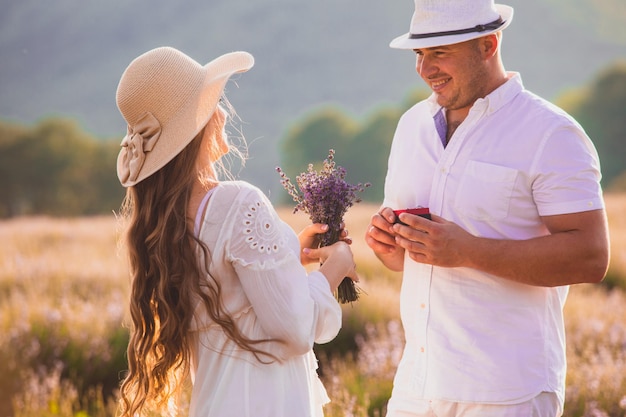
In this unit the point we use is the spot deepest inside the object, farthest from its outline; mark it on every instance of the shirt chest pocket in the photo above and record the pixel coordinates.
(485, 191)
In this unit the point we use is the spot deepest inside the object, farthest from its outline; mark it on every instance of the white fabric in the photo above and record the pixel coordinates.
(545, 404)
(200, 213)
(470, 336)
(255, 257)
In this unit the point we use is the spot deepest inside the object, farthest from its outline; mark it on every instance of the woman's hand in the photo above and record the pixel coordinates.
(337, 263)
(309, 239)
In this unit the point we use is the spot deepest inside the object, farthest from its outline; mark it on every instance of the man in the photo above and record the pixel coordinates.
(512, 184)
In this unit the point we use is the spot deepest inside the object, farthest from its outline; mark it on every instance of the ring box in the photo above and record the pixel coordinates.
(419, 211)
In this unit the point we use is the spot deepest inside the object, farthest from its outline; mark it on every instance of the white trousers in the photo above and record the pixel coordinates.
(545, 404)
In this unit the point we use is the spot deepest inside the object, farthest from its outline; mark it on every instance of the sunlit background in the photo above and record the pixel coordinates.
(324, 77)
(65, 57)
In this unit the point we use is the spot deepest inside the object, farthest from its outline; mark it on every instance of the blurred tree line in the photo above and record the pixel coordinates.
(601, 109)
(362, 148)
(55, 168)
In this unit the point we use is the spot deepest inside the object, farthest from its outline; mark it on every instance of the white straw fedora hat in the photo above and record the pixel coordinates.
(166, 99)
(444, 22)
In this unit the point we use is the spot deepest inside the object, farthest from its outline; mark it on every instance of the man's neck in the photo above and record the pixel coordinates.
(454, 118)
(452, 126)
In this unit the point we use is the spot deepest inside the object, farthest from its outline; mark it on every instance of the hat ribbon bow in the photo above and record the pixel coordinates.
(138, 140)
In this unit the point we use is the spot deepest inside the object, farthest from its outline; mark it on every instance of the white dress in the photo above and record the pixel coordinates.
(255, 256)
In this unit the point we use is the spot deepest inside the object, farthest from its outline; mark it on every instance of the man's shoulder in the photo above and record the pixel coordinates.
(541, 109)
(421, 109)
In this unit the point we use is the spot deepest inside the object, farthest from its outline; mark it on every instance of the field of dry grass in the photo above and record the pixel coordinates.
(63, 290)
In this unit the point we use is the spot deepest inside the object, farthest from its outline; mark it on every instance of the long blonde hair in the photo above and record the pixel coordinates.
(166, 277)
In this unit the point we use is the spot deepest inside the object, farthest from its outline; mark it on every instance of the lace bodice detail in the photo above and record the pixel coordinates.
(260, 229)
(259, 239)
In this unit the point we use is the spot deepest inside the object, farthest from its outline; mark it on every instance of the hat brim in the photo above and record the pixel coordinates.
(194, 115)
(405, 42)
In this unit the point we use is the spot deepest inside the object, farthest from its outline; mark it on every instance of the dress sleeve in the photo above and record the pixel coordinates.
(291, 305)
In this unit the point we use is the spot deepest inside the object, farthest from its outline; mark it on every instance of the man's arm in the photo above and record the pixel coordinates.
(575, 251)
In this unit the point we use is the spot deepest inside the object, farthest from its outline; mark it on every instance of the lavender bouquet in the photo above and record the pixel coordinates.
(326, 196)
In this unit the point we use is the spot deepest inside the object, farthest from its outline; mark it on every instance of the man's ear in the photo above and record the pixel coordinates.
(489, 44)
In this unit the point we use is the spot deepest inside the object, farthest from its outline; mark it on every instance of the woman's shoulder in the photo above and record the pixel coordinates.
(238, 187)
(241, 191)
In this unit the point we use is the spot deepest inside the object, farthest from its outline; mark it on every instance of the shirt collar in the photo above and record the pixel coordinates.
(502, 95)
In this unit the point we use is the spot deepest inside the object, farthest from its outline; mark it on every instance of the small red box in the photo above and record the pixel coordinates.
(420, 211)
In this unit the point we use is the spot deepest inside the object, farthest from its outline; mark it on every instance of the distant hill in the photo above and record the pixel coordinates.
(64, 58)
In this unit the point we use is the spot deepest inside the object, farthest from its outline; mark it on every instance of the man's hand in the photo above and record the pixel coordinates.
(435, 242)
(381, 238)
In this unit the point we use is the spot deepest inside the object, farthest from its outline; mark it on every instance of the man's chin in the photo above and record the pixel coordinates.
(441, 100)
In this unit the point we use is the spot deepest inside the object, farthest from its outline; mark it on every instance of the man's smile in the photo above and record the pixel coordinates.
(436, 85)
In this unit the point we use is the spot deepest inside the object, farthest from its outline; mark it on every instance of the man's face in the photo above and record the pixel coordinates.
(456, 73)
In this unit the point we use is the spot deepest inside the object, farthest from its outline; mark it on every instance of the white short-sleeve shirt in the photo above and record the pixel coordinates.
(471, 336)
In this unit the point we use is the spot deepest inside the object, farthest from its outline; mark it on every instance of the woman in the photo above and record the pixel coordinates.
(218, 284)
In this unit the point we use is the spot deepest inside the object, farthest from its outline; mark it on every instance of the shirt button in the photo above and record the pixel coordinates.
(422, 349)
(422, 306)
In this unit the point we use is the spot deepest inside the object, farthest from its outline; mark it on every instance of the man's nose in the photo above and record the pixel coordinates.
(425, 66)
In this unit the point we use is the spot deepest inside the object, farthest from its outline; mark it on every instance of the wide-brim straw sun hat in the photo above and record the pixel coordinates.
(446, 22)
(167, 98)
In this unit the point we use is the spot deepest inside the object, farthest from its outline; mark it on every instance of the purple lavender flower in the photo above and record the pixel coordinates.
(326, 196)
